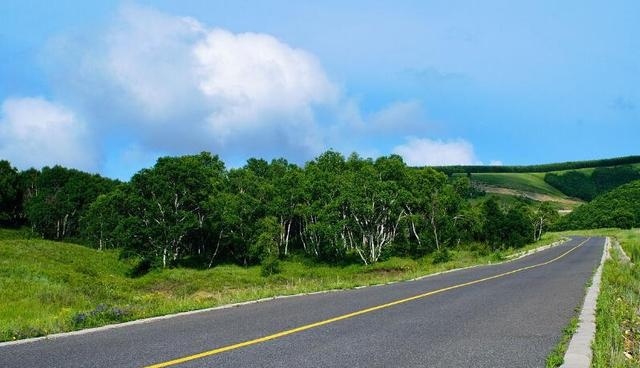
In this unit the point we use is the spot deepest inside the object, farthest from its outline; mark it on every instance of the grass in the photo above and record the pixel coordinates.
(556, 358)
(526, 182)
(617, 341)
(48, 287)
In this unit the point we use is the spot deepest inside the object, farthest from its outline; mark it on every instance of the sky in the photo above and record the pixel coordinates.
(110, 86)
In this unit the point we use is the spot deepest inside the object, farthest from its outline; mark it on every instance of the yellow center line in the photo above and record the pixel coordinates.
(350, 315)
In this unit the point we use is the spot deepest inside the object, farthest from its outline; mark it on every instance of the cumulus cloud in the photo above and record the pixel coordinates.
(177, 85)
(35, 133)
(428, 152)
(251, 77)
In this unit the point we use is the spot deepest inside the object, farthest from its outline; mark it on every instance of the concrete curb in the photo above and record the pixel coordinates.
(623, 255)
(579, 354)
(227, 306)
(536, 250)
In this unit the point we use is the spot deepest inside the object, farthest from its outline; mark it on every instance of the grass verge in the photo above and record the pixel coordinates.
(617, 340)
(50, 287)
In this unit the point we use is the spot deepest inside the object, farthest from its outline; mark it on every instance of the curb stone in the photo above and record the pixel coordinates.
(579, 354)
(623, 255)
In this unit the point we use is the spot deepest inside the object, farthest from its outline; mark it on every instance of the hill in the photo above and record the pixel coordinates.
(566, 184)
(617, 208)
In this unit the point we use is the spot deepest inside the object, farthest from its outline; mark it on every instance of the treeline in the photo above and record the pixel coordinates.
(587, 186)
(561, 166)
(617, 208)
(192, 210)
(51, 201)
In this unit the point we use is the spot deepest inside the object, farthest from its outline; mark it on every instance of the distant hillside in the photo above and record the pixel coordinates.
(587, 184)
(568, 183)
(617, 208)
(569, 165)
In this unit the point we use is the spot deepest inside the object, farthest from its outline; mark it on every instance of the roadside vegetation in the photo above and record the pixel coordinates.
(617, 341)
(48, 287)
(191, 211)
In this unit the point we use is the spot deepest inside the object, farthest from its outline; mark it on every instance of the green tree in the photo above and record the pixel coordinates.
(10, 195)
(165, 216)
(543, 217)
(60, 198)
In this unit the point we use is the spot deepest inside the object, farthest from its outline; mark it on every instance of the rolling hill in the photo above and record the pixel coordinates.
(567, 184)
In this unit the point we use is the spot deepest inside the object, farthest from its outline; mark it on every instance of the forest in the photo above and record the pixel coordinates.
(587, 186)
(193, 211)
(617, 208)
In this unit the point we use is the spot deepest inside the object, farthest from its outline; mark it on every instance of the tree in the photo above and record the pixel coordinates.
(434, 202)
(59, 199)
(10, 195)
(163, 215)
(375, 204)
(324, 231)
(543, 216)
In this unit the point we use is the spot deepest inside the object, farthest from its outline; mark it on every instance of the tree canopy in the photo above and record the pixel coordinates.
(192, 210)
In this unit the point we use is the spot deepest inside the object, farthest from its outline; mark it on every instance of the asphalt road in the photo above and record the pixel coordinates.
(507, 315)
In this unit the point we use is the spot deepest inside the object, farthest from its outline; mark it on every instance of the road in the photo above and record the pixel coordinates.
(505, 315)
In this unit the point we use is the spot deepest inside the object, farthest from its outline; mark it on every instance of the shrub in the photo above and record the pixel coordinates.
(441, 256)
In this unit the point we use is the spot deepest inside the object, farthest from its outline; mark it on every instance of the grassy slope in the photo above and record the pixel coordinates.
(49, 287)
(528, 182)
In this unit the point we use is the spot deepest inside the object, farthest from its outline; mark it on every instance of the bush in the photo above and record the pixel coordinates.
(394, 264)
(441, 256)
(270, 266)
(141, 268)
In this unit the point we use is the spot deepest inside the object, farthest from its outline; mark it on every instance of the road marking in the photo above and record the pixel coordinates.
(350, 315)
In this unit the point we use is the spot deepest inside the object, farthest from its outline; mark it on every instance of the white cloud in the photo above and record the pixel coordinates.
(399, 116)
(495, 163)
(428, 152)
(251, 77)
(173, 84)
(35, 133)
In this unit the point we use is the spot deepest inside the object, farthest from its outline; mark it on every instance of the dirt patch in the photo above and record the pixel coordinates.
(535, 196)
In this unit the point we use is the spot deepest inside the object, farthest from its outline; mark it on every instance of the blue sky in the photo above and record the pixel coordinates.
(108, 86)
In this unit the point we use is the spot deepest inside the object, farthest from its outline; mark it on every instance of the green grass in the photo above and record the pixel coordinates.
(526, 182)
(48, 287)
(556, 358)
(617, 318)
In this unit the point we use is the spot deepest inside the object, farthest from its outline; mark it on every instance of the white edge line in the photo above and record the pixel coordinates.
(579, 353)
(511, 258)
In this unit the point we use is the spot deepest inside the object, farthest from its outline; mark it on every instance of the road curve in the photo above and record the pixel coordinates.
(506, 315)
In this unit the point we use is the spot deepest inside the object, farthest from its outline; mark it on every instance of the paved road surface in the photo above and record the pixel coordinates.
(507, 315)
